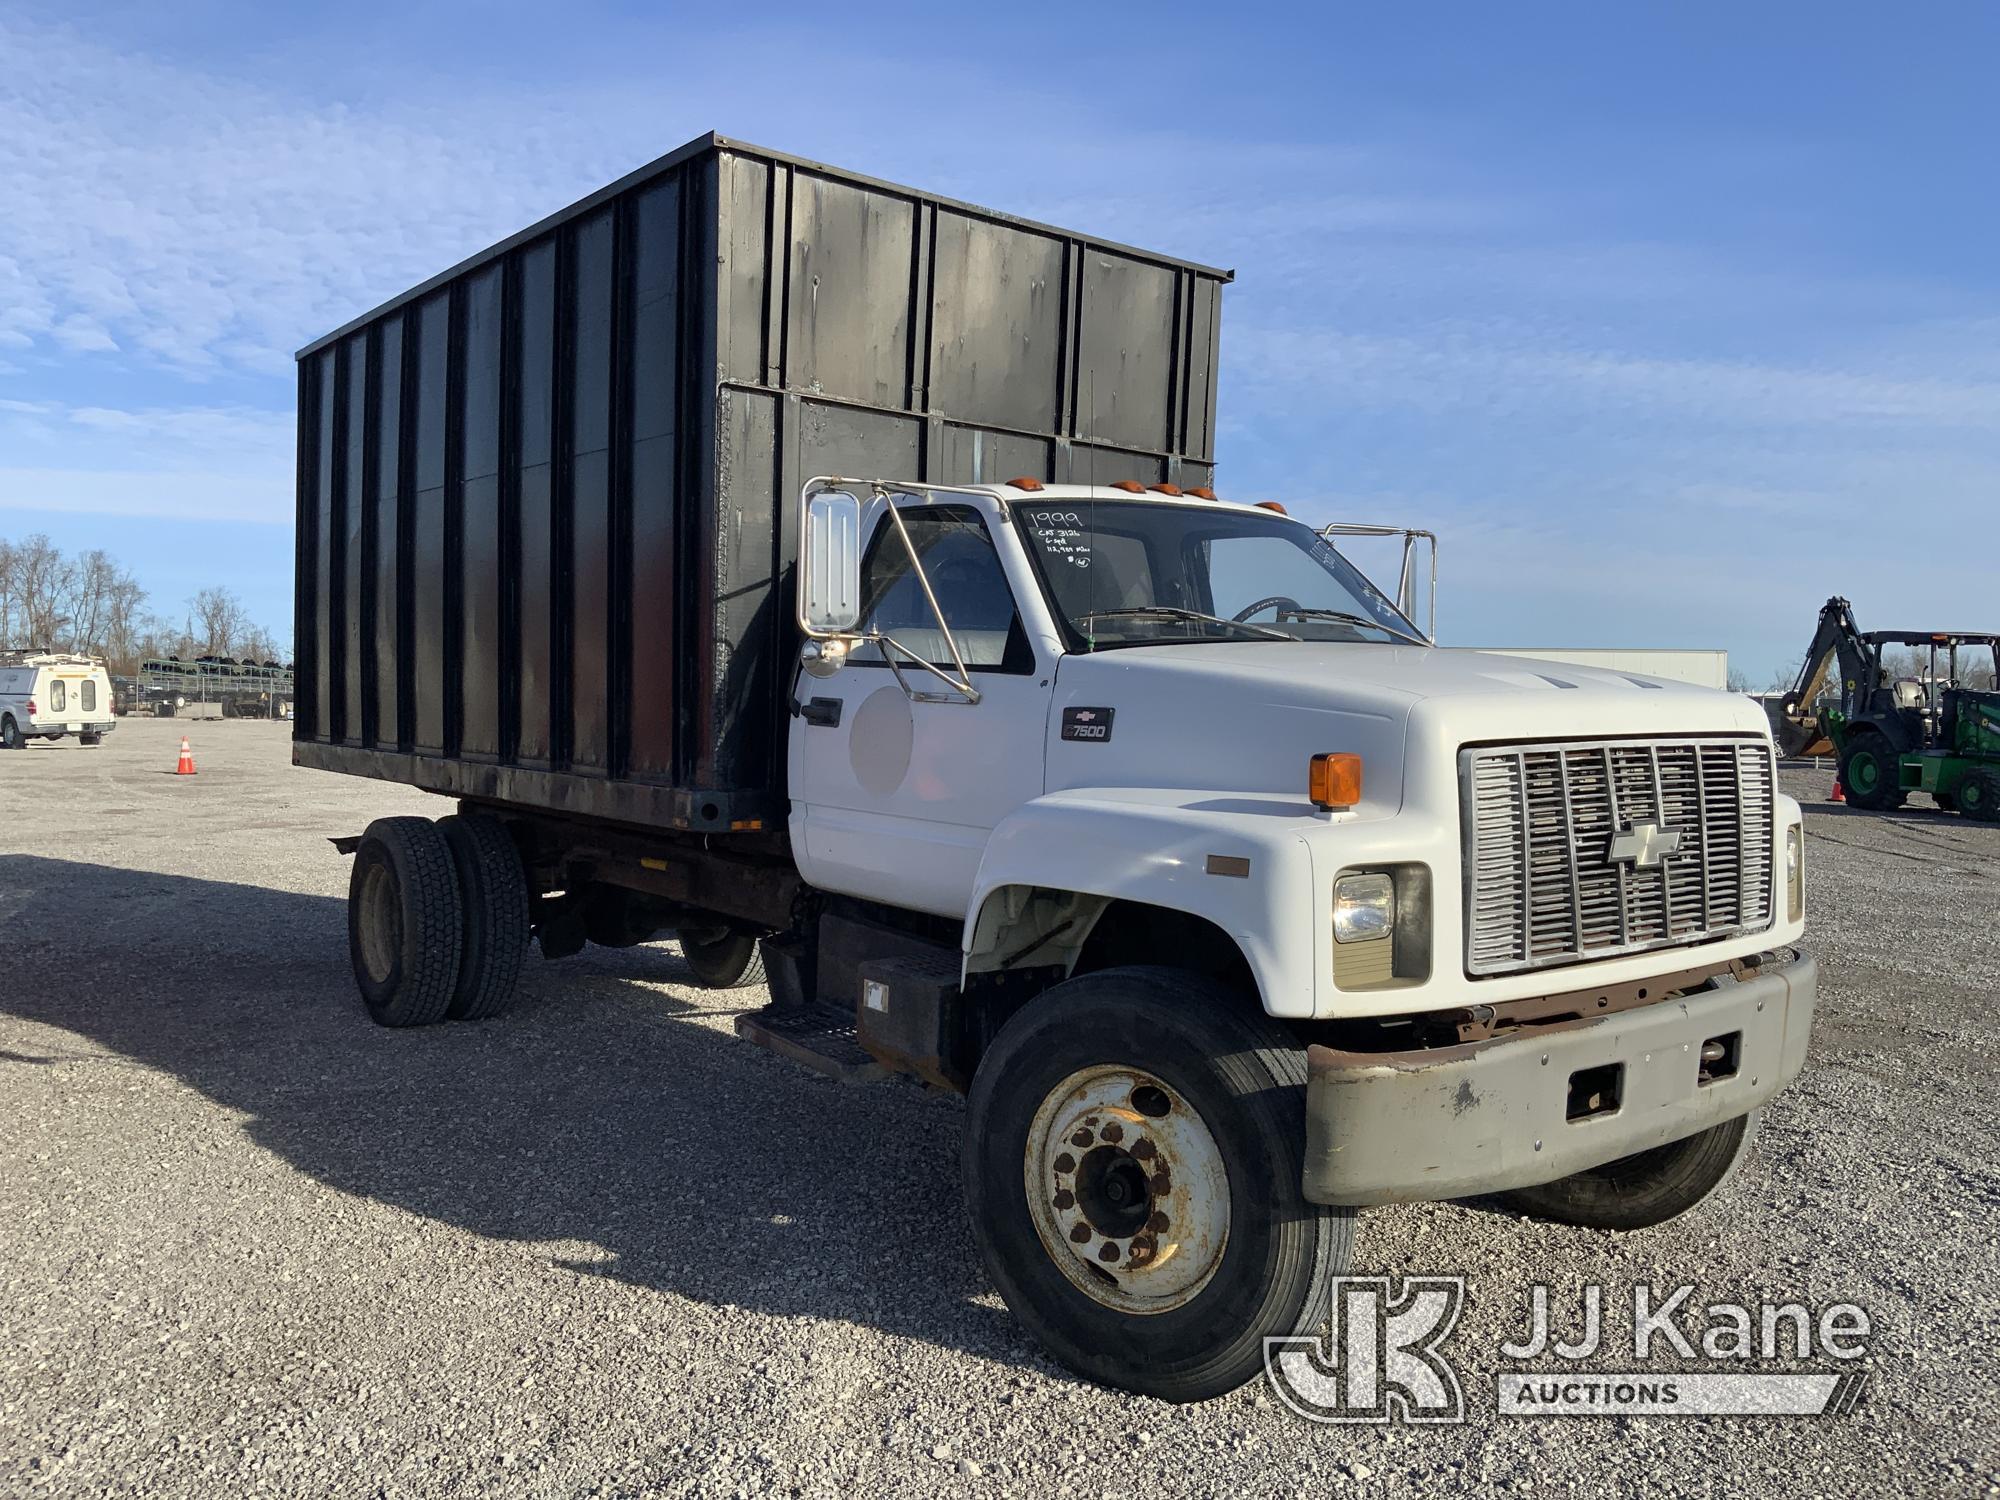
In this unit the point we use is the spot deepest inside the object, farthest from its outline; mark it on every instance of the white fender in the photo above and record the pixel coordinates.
(1244, 862)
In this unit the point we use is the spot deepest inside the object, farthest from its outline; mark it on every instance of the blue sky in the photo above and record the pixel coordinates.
(1672, 319)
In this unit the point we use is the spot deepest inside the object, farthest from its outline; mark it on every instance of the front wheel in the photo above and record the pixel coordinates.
(1869, 774)
(733, 961)
(1978, 796)
(1133, 1153)
(1647, 1188)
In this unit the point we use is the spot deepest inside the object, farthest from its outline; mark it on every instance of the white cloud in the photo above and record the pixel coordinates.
(194, 463)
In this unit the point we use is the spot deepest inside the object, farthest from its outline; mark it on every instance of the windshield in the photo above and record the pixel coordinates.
(1133, 573)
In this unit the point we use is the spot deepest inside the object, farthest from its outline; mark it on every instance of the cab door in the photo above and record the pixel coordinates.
(893, 797)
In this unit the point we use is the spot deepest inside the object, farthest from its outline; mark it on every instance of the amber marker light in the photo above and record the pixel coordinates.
(1335, 781)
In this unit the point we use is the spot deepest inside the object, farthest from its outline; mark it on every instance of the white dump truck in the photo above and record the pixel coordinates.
(1138, 816)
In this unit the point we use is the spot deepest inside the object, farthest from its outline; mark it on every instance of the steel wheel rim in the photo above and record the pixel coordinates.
(1865, 773)
(381, 924)
(1127, 1189)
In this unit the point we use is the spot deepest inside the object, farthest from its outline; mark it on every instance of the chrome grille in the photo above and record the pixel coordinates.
(1541, 887)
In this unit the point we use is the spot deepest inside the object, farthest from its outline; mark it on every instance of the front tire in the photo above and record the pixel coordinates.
(1868, 773)
(1159, 1121)
(1648, 1188)
(1978, 796)
(404, 921)
(733, 961)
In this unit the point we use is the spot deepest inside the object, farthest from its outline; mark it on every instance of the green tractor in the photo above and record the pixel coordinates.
(1929, 733)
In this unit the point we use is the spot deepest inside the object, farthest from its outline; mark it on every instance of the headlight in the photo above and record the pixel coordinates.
(1364, 908)
(1795, 872)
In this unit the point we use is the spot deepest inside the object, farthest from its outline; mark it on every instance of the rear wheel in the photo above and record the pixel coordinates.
(730, 962)
(404, 921)
(1978, 796)
(10, 734)
(1868, 773)
(493, 897)
(90, 739)
(1648, 1188)
(1133, 1150)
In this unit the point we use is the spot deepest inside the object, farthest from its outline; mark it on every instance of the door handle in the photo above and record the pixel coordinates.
(824, 712)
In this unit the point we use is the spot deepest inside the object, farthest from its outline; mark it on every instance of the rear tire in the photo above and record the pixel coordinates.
(404, 922)
(733, 961)
(493, 897)
(1869, 775)
(1149, 1105)
(1648, 1188)
(10, 734)
(90, 739)
(1978, 796)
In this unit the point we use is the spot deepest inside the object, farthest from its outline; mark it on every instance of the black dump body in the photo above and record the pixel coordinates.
(545, 499)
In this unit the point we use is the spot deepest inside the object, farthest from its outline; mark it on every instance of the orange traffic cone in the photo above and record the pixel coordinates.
(186, 767)
(1839, 793)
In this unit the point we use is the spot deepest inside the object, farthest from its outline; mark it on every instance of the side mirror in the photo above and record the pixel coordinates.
(830, 564)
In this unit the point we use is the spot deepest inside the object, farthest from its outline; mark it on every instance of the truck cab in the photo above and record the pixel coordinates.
(1531, 927)
(47, 695)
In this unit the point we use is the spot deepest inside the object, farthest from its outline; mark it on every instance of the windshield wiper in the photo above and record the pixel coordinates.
(1306, 612)
(1174, 612)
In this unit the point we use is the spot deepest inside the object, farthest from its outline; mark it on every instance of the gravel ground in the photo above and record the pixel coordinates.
(252, 1244)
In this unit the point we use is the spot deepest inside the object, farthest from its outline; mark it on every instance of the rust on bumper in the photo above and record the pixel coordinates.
(1502, 1112)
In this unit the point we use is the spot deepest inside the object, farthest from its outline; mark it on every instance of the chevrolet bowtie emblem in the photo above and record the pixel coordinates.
(1644, 844)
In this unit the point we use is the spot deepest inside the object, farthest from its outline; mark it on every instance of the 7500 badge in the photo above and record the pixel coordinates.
(1086, 723)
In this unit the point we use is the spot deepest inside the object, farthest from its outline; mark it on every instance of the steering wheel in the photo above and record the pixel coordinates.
(1281, 601)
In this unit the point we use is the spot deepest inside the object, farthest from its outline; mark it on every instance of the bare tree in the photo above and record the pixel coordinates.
(90, 604)
(38, 578)
(218, 619)
(8, 592)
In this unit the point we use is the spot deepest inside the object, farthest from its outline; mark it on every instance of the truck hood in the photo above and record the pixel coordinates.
(1247, 716)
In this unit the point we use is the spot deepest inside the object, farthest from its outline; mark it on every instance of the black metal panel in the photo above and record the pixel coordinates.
(545, 521)
(656, 389)
(1090, 463)
(305, 573)
(325, 528)
(737, 714)
(386, 436)
(743, 209)
(1204, 335)
(974, 455)
(852, 261)
(855, 441)
(590, 497)
(479, 389)
(535, 365)
(427, 530)
(1125, 357)
(997, 324)
(353, 512)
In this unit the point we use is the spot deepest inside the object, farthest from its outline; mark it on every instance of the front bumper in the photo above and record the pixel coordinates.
(1451, 1122)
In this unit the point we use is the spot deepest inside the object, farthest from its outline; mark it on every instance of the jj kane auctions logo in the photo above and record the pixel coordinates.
(1384, 1358)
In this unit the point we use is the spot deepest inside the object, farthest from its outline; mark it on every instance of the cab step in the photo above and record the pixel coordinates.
(820, 1037)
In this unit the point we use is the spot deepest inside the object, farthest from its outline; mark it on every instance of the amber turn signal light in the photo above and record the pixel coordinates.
(1335, 781)
(1025, 483)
